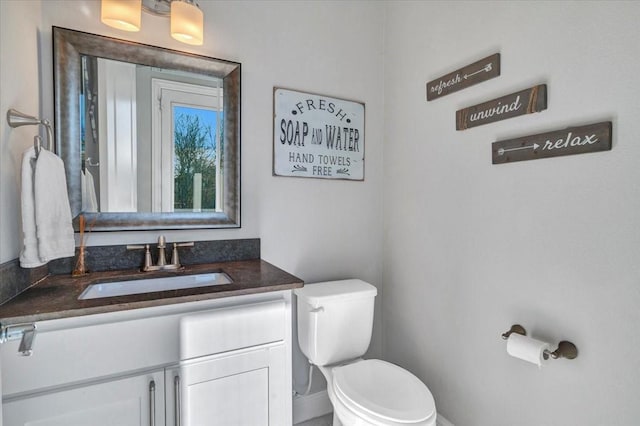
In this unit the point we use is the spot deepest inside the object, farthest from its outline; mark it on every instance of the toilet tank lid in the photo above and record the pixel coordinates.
(315, 294)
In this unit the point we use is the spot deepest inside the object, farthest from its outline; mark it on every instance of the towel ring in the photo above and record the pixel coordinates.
(16, 119)
(37, 144)
(89, 162)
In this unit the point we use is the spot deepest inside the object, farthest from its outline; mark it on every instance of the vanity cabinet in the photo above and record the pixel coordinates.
(215, 362)
(234, 389)
(129, 401)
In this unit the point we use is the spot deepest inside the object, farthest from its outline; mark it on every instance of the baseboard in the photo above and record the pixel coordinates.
(441, 421)
(310, 406)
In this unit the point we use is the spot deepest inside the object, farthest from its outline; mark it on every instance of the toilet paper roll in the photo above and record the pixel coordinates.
(526, 348)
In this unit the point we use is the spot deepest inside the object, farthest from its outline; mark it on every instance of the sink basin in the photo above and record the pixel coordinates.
(148, 285)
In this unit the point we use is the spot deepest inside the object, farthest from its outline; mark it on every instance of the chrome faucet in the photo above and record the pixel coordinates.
(161, 264)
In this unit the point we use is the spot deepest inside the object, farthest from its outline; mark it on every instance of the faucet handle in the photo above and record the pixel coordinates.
(175, 259)
(147, 255)
(190, 244)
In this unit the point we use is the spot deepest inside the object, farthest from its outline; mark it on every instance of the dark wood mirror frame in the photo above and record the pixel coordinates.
(68, 48)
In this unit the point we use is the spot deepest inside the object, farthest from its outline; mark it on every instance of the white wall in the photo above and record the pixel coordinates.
(19, 89)
(471, 248)
(315, 229)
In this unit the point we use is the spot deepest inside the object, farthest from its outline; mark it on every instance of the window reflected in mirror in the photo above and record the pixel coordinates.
(196, 164)
(150, 139)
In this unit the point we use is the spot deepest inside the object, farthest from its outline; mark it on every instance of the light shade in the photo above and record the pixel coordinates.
(122, 14)
(187, 22)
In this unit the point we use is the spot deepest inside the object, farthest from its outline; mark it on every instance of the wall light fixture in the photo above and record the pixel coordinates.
(187, 20)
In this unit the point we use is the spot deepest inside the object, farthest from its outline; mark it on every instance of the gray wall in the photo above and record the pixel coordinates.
(471, 248)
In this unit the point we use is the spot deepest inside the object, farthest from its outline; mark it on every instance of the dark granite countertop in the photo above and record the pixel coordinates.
(56, 296)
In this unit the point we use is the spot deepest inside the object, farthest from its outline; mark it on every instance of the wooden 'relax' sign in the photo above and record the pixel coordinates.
(523, 102)
(573, 140)
(462, 78)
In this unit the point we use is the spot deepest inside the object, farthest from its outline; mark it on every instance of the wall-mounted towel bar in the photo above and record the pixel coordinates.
(16, 119)
(565, 349)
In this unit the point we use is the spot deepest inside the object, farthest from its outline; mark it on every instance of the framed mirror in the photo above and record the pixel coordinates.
(150, 137)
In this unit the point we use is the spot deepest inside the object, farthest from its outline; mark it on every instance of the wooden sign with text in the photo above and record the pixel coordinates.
(475, 73)
(523, 102)
(573, 140)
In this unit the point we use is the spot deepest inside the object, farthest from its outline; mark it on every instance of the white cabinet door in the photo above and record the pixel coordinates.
(243, 388)
(132, 401)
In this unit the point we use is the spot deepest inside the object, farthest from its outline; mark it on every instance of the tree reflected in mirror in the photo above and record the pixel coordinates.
(195, 160)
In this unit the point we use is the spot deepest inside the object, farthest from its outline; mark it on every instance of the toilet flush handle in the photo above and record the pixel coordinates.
(316, 310)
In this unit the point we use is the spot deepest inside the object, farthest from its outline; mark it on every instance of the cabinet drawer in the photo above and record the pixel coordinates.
(232, 328)
(76, 351)
(76, 355)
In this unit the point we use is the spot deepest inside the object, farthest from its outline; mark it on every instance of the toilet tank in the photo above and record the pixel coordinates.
(335, 320)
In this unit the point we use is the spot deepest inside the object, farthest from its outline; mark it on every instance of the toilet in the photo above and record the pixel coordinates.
(335, 321)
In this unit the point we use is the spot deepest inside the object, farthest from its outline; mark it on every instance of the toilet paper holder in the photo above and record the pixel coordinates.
(565, 348)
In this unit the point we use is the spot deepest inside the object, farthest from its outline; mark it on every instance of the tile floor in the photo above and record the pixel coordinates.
(326, 420)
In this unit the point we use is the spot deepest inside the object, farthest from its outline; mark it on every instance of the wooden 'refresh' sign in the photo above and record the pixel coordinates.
(523, 102)
(573, 140)
(464, 77)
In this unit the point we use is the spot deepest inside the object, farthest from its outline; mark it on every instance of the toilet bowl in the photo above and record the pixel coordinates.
(376, 392)
(335, 321)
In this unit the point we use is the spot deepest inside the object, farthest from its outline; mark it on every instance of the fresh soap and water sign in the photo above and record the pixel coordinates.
(317, 136)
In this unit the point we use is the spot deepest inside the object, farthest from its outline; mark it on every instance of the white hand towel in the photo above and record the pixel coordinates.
(53, 213)
(29, 254)
(83, 190)
(89, 198)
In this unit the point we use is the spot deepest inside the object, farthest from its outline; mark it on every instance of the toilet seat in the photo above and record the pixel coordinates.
(383, 393)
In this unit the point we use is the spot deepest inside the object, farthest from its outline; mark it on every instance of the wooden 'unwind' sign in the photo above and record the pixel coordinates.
(573, 140)
(464, 77)
(523, 102)
(317, 136)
